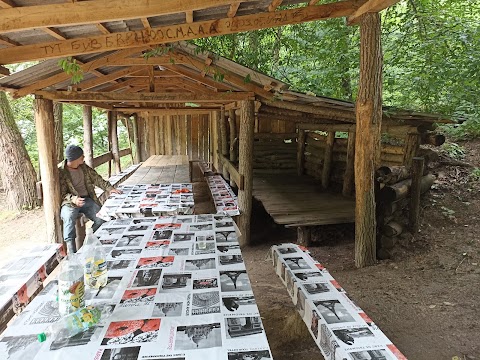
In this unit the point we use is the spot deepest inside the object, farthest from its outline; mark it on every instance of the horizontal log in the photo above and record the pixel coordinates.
(401, 189)
(232, 170)
(102, 159)
(432, 139)
(393, 149)
(277, 165)
(429, 155)
(124, 152)
(393, 228)
(391, 174)
(268, 136)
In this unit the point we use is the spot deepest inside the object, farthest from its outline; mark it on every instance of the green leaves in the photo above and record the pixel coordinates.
(71, 67)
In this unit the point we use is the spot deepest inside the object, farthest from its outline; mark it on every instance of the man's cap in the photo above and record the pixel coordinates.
(73, 152)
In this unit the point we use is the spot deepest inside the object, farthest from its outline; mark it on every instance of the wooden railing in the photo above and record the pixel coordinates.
(104, 158)
(232, 170)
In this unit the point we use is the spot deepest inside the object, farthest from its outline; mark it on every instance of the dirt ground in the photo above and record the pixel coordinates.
(425, 298)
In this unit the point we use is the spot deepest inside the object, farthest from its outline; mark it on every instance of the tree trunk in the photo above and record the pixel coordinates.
(88, 135)
(369, 122)
(58, 118)
(18, 174)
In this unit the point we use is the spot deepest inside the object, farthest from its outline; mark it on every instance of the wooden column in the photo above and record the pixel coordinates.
(161, 135)
(412, 143)
(156, 130)
(58, 116)
(348, 179)
(233, 136)
(168, 134)
(301, 152)
(415, 191)
(327, 159)
(115, 148)
(224, 142)
(136, 140)
(304, 235)
(44, 123)
(151, 134)
(87, 135)
(245, 165)
(367, 139)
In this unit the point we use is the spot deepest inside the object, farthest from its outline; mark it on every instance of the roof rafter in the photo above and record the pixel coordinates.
(168, 34)
(87, 67)
(370, 6)
(233, 9)
(88, 84)
(88, 12)
(274, 4)
(197, 77)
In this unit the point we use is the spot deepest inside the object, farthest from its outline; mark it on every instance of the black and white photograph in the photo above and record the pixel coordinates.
(148, 277)
(179, 251)
(167, 309)
(82, 338)
(204, 247)
(205, 303)
(230, 259)
(228, 248)
(379, 354)
(225, 236)
(238, 303)
(301, 302)
(108, 241)
(333, 311)
(200, 264)
(198, 336)
(305, 276)
(103, 231)
(243, 326)
(162, 235)
(124, 353)
(108, 291)
(125, 253)
(180, 236)
(249, 355)
(138, 228)
(204, 218)
(119, 264)
(200, 227)
(290, 279)
(287, 250)
(296, 263)
(316, 288)
(349, 335)
(223, 224)
(177, 281)
(206, 283)
(129, 240)
(184, 219)
(143, 221)
(234, 281)
(122, 222)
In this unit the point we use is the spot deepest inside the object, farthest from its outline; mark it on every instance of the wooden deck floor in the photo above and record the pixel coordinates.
(161, 169)
(299, 201)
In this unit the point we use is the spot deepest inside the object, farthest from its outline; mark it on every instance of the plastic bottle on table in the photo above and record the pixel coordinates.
(72, 324)
(95, 262)
(71, 287)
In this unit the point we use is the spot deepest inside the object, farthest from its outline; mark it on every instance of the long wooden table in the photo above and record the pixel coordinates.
(161, 169)
(178, 288)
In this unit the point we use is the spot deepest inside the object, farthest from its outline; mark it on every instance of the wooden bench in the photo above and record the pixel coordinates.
(204, 167)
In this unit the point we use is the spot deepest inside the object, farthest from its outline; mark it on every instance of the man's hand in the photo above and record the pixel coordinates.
(79, 202)
(116, 191)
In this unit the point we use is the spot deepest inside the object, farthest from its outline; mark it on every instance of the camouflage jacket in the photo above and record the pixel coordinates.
(92, 179)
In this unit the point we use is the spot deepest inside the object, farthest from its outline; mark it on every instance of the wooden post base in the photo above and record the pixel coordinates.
(304, 235)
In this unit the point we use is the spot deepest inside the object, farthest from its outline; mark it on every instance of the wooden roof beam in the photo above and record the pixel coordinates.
(274, 4)
(197, 77)
(102, 29)
(6, 4)
(6, 41)
(189, 17)
(176, 111)
(233, 9)
(57, 34)
(368, 7)
(88, 84)
(172, 33)
(144, 97)
(87, 67)
(88, 12)
(146, 23)
(120, 85)
(4, 71)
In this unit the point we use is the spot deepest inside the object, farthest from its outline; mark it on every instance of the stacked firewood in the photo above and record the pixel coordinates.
(394, 184)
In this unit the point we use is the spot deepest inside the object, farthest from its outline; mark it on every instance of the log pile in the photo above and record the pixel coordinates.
(275, 154)
(394, 202)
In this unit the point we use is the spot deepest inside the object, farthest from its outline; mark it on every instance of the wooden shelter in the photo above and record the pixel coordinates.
(182, 101)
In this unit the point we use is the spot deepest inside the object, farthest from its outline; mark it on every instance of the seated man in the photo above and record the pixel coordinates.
(77, 187)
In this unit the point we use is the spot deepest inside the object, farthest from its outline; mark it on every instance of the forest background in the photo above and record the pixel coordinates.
(431, 64)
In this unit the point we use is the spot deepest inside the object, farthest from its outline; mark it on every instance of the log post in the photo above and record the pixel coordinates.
(367, 139)
(245, 159)
(217, 144)
(224, 141)
(156, 127)
(348, 179)
(115, 148)
(87, 135)
(44, 124)
(301, 152)
(109, 138)
(412, 143)
(58, 116)
(327, 162)
(304, 235)
(151, 134)
(233, 136)
(136, 139)
(415, 191)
